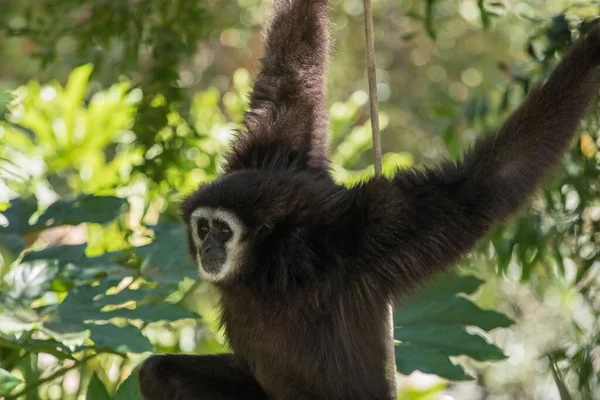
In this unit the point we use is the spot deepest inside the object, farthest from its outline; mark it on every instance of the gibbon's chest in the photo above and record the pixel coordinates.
(307, 342)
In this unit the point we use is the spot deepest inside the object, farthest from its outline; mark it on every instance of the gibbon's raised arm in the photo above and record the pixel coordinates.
(286, 126)
(419, 222)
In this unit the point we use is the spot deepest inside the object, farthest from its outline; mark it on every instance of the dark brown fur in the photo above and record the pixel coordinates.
(305, 316)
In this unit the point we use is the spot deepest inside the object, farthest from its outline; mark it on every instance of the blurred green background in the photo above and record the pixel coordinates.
(111, 110)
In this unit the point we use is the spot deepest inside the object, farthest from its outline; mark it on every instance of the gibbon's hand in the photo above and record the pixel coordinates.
(287, 124)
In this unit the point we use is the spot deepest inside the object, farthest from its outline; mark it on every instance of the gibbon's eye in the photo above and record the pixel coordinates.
(203, 228)
(222, 228)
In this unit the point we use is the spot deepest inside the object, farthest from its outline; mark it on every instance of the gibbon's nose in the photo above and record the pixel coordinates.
(210, 244)
(213, 254)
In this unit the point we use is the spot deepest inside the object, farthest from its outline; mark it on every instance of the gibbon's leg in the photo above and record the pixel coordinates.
(287, 124)
(188, 377)
(418, 222)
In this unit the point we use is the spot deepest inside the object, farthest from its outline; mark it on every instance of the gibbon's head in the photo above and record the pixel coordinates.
(236, 222)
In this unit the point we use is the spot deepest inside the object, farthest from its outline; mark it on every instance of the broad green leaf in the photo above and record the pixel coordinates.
(12, 243)
(18, 214)
(85, 208)
(73, 265)
(430, 327)
(7, 382)
(96, 389)
(30, 280)
(49, 346)
(454, 340)
(410, 358)
(71, 102)
(154, 312)
(126, 339)
(86, 305)
(16, 315)
(129, 389)
(166, 258)
(78, 307)
(138, 295)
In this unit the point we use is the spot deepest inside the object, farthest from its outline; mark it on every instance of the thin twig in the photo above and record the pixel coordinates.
(372, 76)
(558, 380)
(52, 377)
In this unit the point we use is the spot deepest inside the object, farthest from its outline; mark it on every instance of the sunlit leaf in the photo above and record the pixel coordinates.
(589, 148)
(7, 382)
(5, 98)
(30, 280)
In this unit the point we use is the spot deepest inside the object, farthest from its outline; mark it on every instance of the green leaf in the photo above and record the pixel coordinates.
(430, 328)
(96, 389)
(86, 305)
(129, 389)
(85, 208)
(79, 306)
(411, 358)
(485, 17)
(454, 340)
(166, 258)
(5, 98)
(126, 339)
(12, 243)
(31, 280)
(153, 313)
(429, 6)
(18, 214)
(16, 315)
(138, 295)
(7, 382)
(25, 342)
(74, 266)
(450, 138)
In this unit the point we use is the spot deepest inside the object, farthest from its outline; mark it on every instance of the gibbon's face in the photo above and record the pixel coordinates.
(217, 241)
(236, 222)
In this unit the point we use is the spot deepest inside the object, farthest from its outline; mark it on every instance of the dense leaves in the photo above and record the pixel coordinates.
(135, 101)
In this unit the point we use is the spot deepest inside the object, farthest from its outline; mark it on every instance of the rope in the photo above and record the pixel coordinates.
(372, 76)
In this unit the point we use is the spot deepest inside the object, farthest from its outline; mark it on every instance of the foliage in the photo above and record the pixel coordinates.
(93, 267)
(62, 300)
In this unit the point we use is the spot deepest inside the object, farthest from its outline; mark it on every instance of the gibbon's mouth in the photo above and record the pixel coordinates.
(213, 265)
